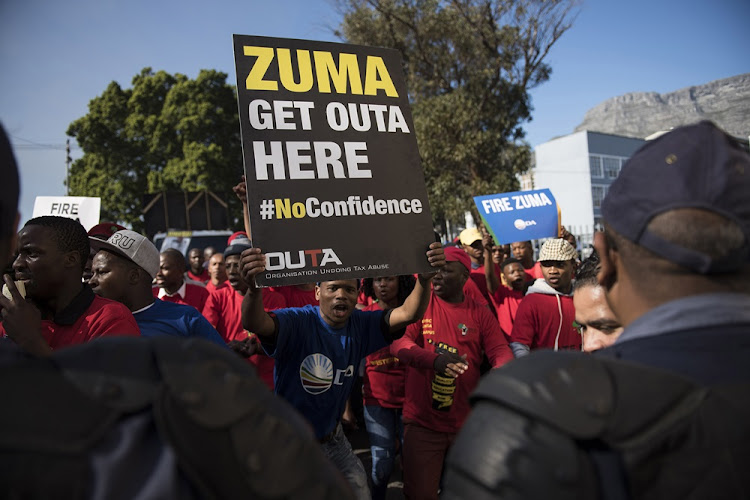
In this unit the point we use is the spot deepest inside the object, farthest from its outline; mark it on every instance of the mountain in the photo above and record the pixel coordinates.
(726, 102)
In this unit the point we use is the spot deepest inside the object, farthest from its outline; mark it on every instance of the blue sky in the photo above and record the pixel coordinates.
(56, 56)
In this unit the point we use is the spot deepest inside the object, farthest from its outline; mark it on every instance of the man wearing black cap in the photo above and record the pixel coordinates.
(122, 270)
(223, 310)
(671, 421)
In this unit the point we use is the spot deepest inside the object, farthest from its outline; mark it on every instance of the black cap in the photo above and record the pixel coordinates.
(697, 166)
(239, 245)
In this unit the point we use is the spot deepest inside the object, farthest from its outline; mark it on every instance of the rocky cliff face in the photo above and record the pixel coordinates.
(639, 114)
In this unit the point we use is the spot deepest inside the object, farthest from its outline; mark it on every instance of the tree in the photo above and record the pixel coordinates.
(469, 66)
(166, 133)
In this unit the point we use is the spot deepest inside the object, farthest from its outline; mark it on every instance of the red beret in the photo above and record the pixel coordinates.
(453, 254)
(104, 230)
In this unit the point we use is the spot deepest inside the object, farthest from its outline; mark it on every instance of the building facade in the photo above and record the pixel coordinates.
(578, 169)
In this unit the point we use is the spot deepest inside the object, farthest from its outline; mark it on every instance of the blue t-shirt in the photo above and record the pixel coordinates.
(177, 320)
(316, 364)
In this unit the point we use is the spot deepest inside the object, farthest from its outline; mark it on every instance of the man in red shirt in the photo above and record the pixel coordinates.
(443, 352)
(196, 271)
(171, 284)
(217, 270)
(223, 310)
(473, 244)
(506, 299)
(62, 310)
(545, 317)
(297, 295)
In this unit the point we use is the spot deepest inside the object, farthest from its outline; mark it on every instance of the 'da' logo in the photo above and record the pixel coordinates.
(122, 241)
(284, 260)
(523, 224)
(316, 373)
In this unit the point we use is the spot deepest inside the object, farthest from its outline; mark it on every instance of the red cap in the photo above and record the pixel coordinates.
(104, 230)
(453, 254)
(238, 233)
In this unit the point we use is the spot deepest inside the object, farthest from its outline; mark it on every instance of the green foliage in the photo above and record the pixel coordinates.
(166, 133)
(469, 65)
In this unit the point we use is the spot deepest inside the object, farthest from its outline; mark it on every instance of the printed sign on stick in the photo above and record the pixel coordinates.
(81, 208)
(520, 215)
(335, 187)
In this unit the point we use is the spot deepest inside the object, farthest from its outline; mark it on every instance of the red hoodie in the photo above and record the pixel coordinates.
(544, 320)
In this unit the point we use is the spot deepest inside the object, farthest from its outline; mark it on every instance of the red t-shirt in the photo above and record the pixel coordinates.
(465, 328)
(210, 287)
(472, 292)
(365, 300)
(383, 382)
(85, 319)
(477, 276)
(538, 321)
(295, 296)
(195, 295)
(202, 277)
(506, 301)
(223, 310)
(534, 273)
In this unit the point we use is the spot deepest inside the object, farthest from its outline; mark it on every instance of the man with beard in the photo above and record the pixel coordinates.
(443, 353)
(318, 348)
(60, 309)
(123, 268)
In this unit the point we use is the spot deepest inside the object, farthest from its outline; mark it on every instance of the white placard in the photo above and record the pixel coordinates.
(82, 208)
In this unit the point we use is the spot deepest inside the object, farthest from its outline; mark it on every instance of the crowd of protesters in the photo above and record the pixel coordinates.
(417, 344)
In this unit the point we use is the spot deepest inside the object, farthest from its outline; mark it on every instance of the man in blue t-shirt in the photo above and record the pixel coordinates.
(318, 348)
(123, 269)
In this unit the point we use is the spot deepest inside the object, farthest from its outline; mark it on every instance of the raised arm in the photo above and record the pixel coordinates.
(254, 318)
(241, 191)
(493, 283)
(416, 303)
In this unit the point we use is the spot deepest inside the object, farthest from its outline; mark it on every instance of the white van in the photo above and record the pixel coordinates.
(186, 240)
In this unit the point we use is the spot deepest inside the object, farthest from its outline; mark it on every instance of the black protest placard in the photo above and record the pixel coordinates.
(335, 187)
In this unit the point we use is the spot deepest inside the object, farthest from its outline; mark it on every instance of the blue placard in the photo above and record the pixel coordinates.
(520, 215)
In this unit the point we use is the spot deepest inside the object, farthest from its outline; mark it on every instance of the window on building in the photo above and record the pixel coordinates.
(595, 164)
(597, 195)
(611, 167)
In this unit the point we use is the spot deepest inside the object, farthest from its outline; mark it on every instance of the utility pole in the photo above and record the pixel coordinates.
(68, 159)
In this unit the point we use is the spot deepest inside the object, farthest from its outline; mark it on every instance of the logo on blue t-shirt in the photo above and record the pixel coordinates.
(316, 373)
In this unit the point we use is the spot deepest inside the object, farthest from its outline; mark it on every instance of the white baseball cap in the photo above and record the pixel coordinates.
(133, 246)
